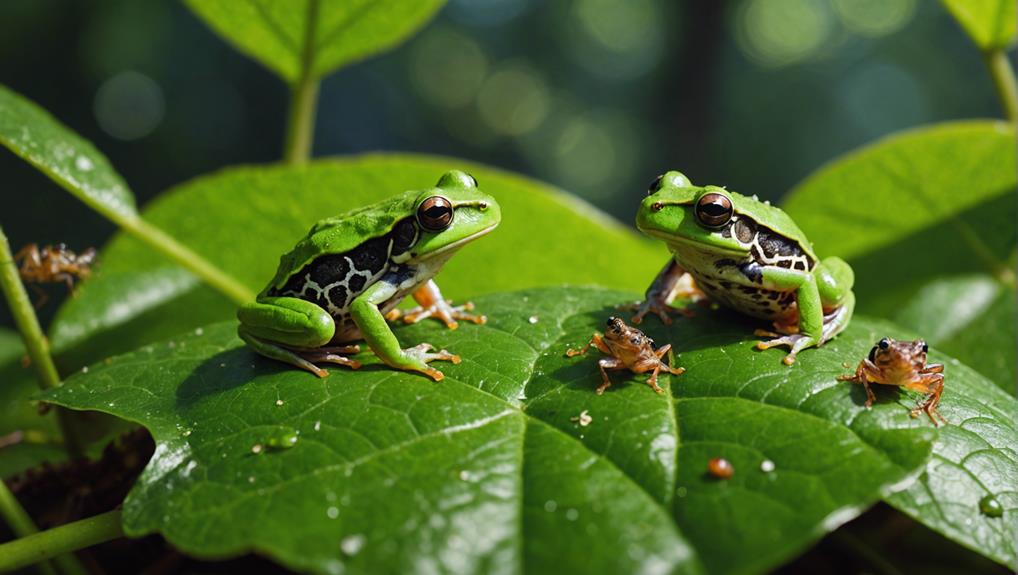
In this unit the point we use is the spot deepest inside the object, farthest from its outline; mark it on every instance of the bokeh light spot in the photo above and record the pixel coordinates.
(781, 32)
(448, 68)
(874, 18)
(129, 105)
(617, 40)
(513, 100)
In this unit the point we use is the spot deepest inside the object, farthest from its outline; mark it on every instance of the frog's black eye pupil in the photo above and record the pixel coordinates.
(884, 343)
(473, 179)
(655, 185)
(926, 348)
(435, 213)
(714, 210)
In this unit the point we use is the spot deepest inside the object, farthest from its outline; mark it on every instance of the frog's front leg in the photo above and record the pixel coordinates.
(383, 342)
(432, 304)
(293, 331)
(665, 288)
(811, 313)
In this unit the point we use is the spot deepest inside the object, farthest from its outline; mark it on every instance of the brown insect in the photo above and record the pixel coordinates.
(720, 468)
(902, 363)
(52, 264)
(630, 349)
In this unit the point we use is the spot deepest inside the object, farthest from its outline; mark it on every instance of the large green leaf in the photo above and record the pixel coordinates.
(990, 23)
(926, 218)
(72, 162)
(242, 219)
(490, 470)
(276, 32)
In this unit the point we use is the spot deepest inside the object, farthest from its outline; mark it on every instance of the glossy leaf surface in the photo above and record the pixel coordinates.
(492, 467)
(69, 160)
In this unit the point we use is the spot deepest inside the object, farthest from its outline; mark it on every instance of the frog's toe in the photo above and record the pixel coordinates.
(796, 342)
(650, 306)
(445, 312)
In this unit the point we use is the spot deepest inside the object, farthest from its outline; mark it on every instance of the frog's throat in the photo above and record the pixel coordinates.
(679, 241)
(445, 249)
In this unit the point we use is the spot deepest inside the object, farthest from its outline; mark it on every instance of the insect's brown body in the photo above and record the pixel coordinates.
(627, 348)
(53, 264)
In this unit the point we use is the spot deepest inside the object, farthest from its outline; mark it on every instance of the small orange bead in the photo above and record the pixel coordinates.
(720, 468)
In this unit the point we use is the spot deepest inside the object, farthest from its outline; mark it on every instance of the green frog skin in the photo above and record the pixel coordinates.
(746, 255)
(344, 279)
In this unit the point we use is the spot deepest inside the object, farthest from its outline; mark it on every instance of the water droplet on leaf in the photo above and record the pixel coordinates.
(990, 507)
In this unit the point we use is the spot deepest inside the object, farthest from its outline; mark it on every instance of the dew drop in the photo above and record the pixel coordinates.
(83, 163)
(279, 403)
(285, 439)
(352, 544)
(318, 426)
(990, 507)
(533, 319)
(257, 448)
(766, 466)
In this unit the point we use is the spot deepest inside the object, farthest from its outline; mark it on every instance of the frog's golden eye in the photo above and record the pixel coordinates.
(714, 210)
(655, 185)
(435, 214)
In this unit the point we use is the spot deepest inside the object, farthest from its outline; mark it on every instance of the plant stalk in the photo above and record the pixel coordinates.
(35, 341)
(1004, 81)
(178, 252)
(47, 544)
(23, 526)
(300, 130)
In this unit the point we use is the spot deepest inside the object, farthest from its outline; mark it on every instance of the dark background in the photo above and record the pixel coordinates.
(594, 96)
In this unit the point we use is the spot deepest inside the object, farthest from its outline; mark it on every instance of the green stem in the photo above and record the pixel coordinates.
(300, 128)
(1004, 80)
(59, 540)
(23, 526)
(19, 521)
(178, 252)
(31, 334)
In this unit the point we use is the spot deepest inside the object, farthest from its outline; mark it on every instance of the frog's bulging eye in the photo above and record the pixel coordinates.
(655, 185)
(714, 210)
(926, 348)
(884, 343)
(435, 214)
(473, 179)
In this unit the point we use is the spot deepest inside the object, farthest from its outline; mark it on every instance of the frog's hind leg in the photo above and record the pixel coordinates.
(932, 384)
(278, 353)
(291, 330)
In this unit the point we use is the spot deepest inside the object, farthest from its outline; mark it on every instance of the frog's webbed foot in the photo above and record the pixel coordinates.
(446, 312)
(416, 359)
(796, 342)
(657, 306)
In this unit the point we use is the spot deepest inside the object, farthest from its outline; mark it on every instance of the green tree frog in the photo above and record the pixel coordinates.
(746, 255)
(344, 279)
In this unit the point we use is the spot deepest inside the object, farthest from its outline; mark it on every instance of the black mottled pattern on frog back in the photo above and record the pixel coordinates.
(766, 246)
(332, 281)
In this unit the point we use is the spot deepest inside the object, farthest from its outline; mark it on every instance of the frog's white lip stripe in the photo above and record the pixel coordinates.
(454, 245)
